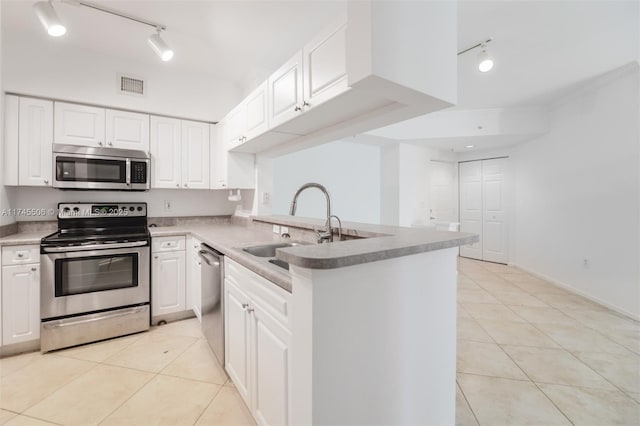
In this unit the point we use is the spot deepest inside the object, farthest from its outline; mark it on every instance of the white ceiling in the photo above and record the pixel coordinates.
(541, 48)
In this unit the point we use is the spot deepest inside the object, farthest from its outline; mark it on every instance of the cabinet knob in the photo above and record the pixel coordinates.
(298, 108)
(110, 144)
(245, 305)
(100, 143)
(34, 269)
(155, 257)
(185, 185)
(306, 104)
(20, 254)
(177, 185)
(224, 185)
(250, 310)
(199, 264)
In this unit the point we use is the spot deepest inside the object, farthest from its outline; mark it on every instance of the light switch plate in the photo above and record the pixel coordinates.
(276, 229)
(284, 230)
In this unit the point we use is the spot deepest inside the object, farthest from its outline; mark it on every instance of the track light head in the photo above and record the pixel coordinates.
(49, 18)
(159, 46)
(485, 61)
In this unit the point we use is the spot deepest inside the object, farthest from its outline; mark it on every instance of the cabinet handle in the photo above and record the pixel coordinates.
(245, 305)
(185, 185)
(177, 185)
(306, 104)
(199, 264)
(34, 269)
(46, 182)
(110, 144)
(100, 143)
(298, 108)
(250, 310)
(155, 257)
(20, 254)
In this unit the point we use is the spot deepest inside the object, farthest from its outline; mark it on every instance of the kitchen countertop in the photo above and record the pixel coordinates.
(372, 243)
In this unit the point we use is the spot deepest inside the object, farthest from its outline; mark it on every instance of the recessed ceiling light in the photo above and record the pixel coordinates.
(470, 146)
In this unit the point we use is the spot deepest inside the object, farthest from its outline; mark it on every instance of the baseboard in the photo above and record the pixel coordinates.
(579, 292)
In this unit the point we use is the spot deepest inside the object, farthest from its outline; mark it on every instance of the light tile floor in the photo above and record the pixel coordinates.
(166, 376)
(532, 353)
(528, 353)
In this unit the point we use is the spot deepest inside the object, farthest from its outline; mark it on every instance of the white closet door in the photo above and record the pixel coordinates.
(443, 191)
(470, 176)
(494, 224)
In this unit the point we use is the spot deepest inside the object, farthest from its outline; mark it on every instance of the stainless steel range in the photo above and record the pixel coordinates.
(95, 274)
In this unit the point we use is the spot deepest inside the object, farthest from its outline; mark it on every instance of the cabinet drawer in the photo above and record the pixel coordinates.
(173, 243)
(19, 255)
(271, 298)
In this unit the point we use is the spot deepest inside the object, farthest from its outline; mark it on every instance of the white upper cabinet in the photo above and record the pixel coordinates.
(256, 112)
(195, 155)
(179, 153)
(79, 124)
(127, 130)
(166, 148)
(285, 91)
(235, 125)
(229, 169)
(28, 139)
(325, 65)
(91, 126)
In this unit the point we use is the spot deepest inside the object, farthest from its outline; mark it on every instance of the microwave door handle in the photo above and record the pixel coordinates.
(128, 171)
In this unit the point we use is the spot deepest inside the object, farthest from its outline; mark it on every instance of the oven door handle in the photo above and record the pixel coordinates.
(94, 247)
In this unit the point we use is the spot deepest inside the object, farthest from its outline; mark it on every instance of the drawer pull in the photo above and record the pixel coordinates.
(20, 254)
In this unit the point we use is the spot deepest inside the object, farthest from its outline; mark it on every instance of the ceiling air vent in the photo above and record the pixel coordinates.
(130, 85)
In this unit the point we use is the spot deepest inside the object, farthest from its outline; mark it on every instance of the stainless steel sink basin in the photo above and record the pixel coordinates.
(268, 250)
(280, 263)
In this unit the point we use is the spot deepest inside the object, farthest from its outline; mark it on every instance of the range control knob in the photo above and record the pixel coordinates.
(76, 209)
(139, 208)
(66, 210)
(131, 208)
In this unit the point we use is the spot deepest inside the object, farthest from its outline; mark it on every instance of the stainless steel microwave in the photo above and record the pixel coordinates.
(83, 167)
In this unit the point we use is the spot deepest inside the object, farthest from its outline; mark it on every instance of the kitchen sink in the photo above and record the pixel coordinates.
(268, 250)
(280, 263)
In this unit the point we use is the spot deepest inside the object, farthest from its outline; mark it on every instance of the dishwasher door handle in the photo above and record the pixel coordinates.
(210, 260)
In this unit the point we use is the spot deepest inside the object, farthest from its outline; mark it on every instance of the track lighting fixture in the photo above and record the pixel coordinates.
(160, 47)
(485, 61)
(49, 18)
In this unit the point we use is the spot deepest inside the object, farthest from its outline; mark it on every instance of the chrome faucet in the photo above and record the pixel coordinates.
(325, 235)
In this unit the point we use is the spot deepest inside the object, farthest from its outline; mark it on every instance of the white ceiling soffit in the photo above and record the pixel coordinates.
(225, 39)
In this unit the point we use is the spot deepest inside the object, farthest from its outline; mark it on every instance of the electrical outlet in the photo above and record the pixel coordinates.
(266, 197)
(167, 205)
(276, 229)
(284, 230)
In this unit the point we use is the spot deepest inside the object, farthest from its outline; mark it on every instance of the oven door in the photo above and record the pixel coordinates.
(76, 282)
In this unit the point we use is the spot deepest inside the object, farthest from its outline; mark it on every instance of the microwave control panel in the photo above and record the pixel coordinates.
(138, 172)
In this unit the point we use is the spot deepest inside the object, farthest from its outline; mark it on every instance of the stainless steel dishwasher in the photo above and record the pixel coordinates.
(213, 299)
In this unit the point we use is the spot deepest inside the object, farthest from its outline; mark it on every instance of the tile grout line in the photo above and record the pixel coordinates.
(209, 404)
(468, 403)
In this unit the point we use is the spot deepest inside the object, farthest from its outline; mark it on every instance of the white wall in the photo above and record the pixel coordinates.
(190, 202)
(4, 199)
(350, 172)
(63, 71)
(578, 193)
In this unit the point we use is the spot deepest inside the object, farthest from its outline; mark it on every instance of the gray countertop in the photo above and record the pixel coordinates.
(373, 243)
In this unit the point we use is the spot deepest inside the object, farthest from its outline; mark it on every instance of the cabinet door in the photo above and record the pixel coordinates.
(235, 127)
(236, 336)
(219, 155)
(256, 112)
(35, 135)
(271, 360)
(325, 65)
(285, 92)
(127, 130)
(195, 155)
(20, 303)
(166, 167)
(168, 282)
(79, 124)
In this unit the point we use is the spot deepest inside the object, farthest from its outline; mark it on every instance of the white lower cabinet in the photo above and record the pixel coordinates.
(20, 303)
(258, 343)
(168, 275)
